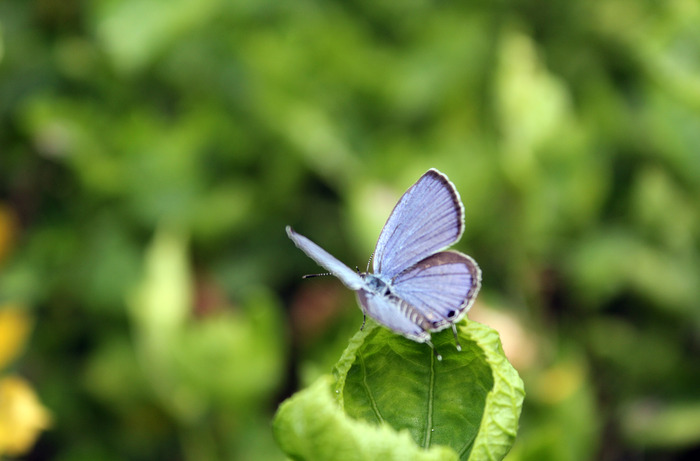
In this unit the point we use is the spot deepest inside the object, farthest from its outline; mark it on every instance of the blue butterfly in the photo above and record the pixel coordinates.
(415, 288)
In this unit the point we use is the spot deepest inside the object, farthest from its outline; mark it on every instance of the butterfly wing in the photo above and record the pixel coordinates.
(395, 314)
(349, 277)
(442, 287)
(429, 217)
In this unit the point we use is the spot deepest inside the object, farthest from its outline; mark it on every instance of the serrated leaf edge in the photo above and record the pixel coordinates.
(508, 391)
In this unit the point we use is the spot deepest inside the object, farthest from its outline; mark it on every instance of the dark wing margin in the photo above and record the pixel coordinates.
(442, 287)
(428, 218)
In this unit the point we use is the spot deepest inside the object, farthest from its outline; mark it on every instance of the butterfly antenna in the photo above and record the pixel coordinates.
(364, 319)
(437, 355)
(370, 260)
(454, 330)
(309, 276)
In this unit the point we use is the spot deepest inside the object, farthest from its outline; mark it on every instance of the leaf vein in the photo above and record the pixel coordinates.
(370, 397)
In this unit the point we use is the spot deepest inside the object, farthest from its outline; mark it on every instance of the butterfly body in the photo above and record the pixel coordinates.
(376, 284)
(415, 288)
(380, 303)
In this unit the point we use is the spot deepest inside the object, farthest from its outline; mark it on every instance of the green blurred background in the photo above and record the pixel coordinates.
(151, 153)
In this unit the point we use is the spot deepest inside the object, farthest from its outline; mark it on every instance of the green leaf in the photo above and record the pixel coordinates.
(386, 387)
(312, 426)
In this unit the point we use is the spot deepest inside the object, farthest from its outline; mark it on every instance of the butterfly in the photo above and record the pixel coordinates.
(415, 287)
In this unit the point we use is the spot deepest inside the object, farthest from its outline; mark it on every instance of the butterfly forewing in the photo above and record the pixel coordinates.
(429, 217)
(442, 287)
(350, 278)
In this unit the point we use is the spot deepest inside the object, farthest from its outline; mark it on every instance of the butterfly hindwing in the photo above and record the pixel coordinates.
(428, 218)
(442, 287)
(395, 314)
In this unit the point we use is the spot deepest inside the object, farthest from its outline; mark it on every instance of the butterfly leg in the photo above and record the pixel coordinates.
(454, 331)
(364, 319)
(432, 346)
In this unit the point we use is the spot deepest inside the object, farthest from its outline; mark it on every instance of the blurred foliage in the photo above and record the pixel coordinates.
(151, 153)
